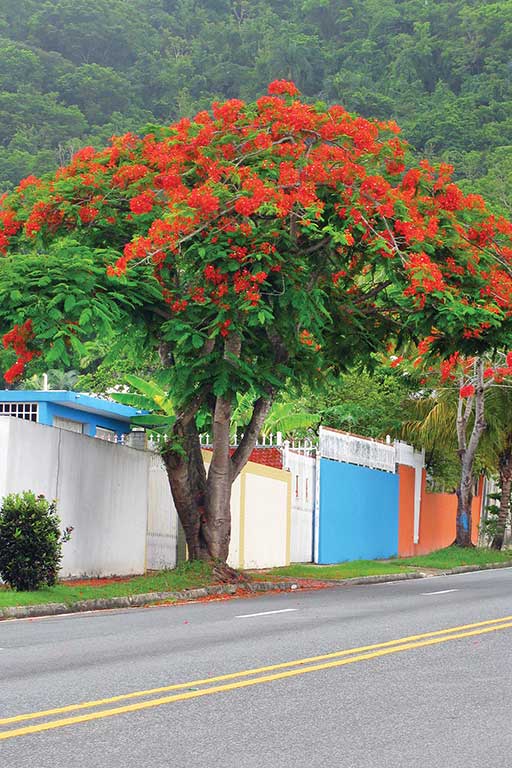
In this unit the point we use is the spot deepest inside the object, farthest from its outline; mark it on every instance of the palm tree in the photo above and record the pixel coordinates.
(56, 380)
(284, 416)
(148, 396)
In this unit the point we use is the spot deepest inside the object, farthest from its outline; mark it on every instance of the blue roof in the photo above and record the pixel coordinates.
(75, 400)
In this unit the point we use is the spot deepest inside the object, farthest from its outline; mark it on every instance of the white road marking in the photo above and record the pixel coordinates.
(440, 592)
(265, 613)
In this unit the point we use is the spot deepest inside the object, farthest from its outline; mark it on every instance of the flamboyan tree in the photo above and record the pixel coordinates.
(454, 407)
(251, 244)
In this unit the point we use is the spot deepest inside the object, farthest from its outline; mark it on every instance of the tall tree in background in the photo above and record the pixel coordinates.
(251, 244)
(467, 413)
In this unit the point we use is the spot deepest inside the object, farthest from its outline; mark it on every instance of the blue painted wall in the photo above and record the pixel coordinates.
(91, 420)
(358, 513)
(91, 411)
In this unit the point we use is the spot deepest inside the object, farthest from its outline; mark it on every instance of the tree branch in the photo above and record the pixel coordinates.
(241, 456)
(317, 246)
(462, 421)
(374, 292)
(192, 408)
(479, 426)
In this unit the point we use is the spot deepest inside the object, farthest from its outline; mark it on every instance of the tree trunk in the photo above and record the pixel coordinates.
(467, 453)
(464, 504)
(218, 486)
(203, 501)
(505, 468)
(187, 479)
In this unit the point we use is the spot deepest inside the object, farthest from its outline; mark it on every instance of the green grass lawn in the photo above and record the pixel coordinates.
(185, 576)
(451, 557)
(348, 570)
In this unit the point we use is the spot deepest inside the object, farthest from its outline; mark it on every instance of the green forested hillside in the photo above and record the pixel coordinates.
(75, 71)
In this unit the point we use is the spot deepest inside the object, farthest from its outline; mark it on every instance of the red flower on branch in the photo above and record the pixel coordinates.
(142, 203)
(18, 338)
(280, 87)
(87, 214)
(467, 390)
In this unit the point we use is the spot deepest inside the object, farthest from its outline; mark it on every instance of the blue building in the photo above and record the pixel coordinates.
(74, 411)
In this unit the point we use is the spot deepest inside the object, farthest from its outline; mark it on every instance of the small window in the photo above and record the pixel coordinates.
(106, 434)
(26, 411)
(69, 424)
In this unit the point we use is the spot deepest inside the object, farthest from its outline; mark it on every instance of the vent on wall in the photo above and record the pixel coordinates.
(27, 411)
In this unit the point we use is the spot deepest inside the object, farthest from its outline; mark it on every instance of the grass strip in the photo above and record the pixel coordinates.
(452, 557)
(185, 576)
(199, 574)
(348, 570)
(442, 559)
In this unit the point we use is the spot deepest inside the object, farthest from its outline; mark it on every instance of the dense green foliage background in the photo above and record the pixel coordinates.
(77, 71)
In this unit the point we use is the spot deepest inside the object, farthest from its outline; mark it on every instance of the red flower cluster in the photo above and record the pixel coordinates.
(233, 209)
(29, 181)
(87, 214)
(467, 390)
(129, 174)
(279, 87)
(142, 203)
(425, 277)
(448, 366)
(43, 214)
(9, 226)
(17, 338)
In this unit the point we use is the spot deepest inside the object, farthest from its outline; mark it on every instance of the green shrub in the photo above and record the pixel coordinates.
(30, 541)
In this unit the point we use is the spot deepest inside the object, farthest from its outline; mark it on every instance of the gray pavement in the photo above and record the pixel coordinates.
(440, 706)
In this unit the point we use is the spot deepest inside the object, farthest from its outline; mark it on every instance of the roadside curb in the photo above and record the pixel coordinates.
(471, 568)
(150, 598)
(380, 579)
(386, 578)
(139, 601)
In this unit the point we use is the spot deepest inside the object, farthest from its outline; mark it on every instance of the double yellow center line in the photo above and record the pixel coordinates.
(243, 679)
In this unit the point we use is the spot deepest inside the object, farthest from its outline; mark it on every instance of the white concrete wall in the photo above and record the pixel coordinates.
(162, 534)
(119, 503)
(101, 490)
(4, 442)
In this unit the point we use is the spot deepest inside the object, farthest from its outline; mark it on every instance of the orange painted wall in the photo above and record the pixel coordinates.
(437, 517)
(405, 511)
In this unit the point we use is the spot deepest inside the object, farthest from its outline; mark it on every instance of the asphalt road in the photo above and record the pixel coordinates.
(441, 700)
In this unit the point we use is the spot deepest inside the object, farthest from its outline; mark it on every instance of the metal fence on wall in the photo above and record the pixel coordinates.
(363, 451)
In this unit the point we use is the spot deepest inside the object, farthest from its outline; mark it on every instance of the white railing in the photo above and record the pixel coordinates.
(306, 446)
(264, 441)
(366, 452)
